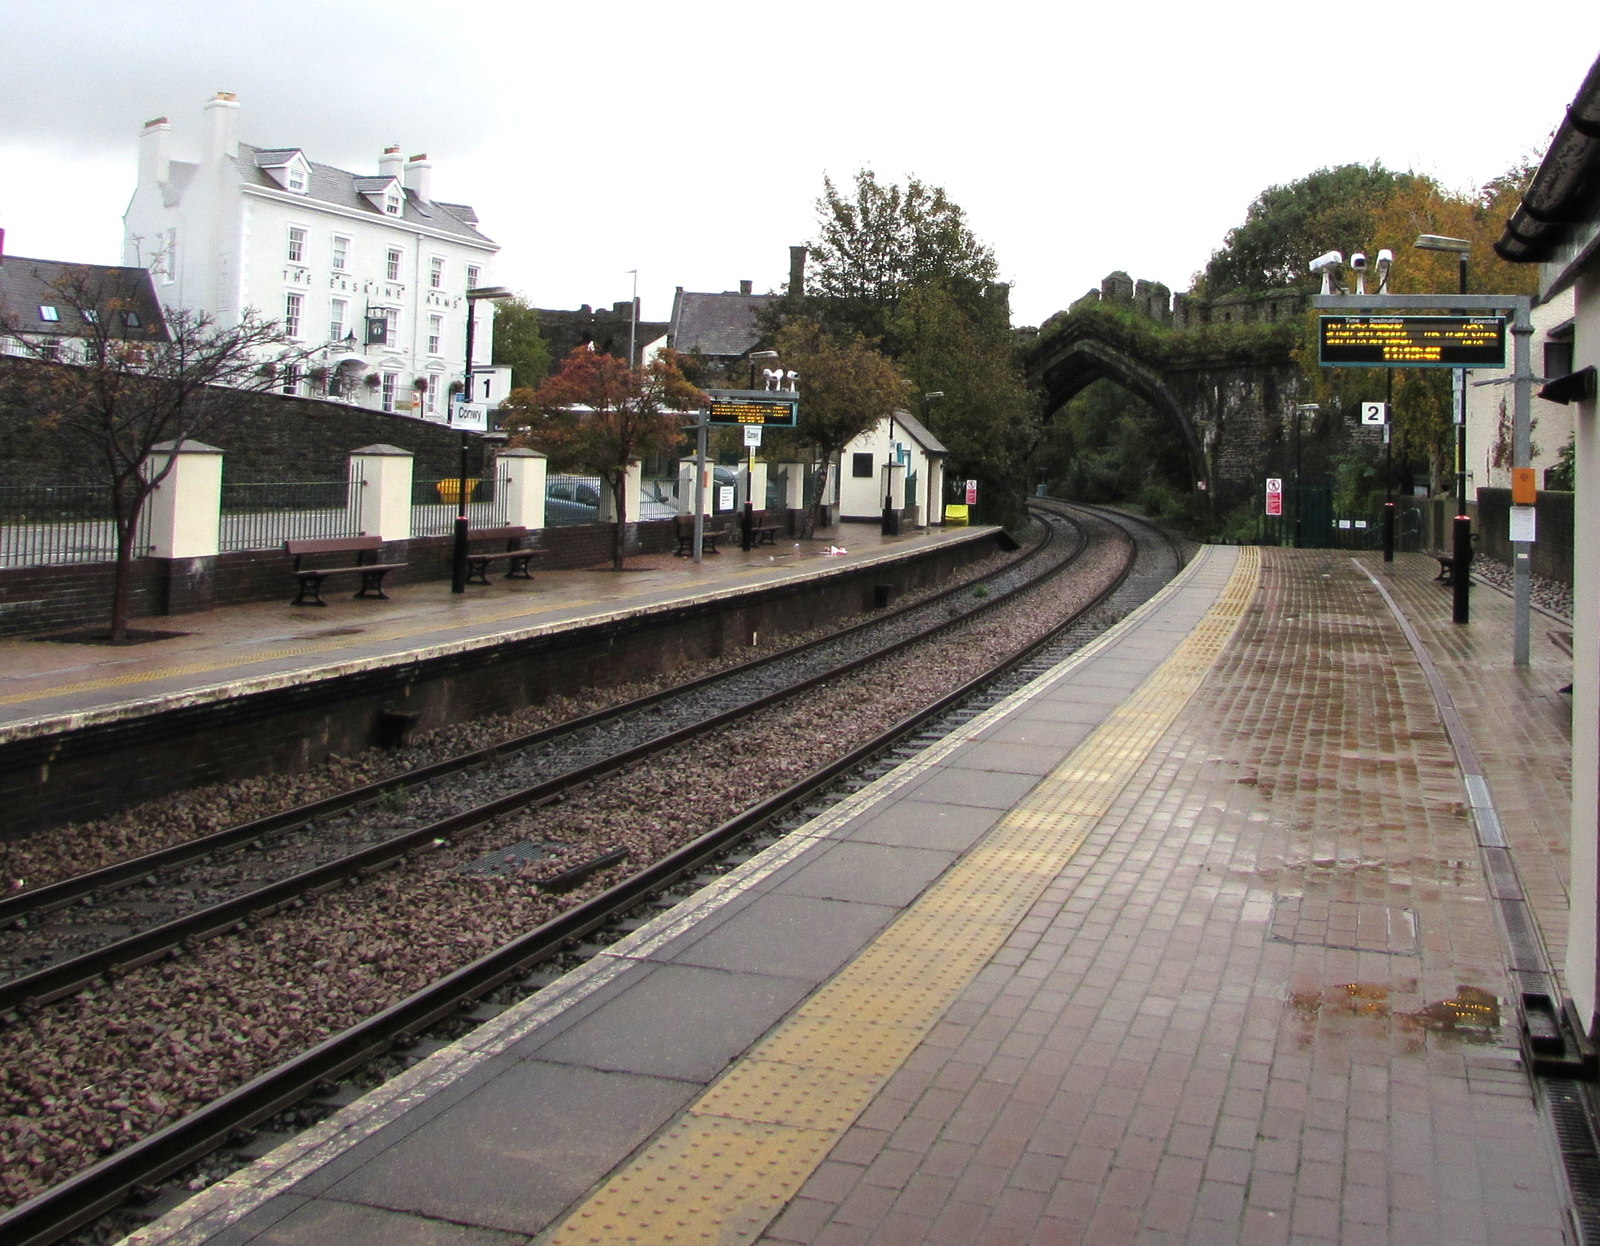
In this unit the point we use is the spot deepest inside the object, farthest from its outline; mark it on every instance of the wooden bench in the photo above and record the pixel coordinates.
(1447, 566)
(709, 536)
(311, 578)
(513, 551)
(763, 528)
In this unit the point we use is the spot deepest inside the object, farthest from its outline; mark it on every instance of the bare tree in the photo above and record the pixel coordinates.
(121, 379)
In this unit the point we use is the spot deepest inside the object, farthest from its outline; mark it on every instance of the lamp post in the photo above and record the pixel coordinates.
(1461, 564)
(633, 322)
(458, 559)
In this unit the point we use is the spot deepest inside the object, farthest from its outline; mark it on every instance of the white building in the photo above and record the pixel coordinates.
(1489, 403)
(370, 269)
(918, 486)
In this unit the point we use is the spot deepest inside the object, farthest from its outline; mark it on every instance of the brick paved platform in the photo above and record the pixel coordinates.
(1189, 942)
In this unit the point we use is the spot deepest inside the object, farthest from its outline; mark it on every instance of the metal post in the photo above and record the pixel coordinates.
(1461, 577)
(700, 482)
(890, 527)
(749, 497)
(1388, 465)
(1521, 456)
(458, 554)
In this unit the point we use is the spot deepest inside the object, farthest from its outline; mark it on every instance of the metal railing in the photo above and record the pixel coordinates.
(46, 525)
(434, 504)
(264, 515)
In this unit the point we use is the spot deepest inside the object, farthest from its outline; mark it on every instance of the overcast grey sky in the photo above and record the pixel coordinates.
(689, 141)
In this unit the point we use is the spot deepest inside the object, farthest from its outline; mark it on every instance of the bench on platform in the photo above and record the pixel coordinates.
(311, 577)
(710, 534)
(1447, 566)
(763, 528)
(514, 552)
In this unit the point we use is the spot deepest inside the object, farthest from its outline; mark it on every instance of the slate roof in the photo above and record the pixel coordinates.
(915, 429)
(720, 326)
(27, 284)
(344, 189)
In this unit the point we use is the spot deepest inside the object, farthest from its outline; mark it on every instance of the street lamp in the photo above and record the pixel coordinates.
(458, 560)
(1461, 564)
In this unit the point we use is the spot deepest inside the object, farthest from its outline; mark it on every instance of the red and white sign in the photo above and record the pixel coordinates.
(972, 493)
(1274, 495)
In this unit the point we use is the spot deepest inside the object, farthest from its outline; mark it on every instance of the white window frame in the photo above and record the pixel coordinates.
(294, 313)
(394, 263)
(339, 253)
(436, 335)
(388, 386)
(338, 319)
(436, 272)
(297, 244)
(295, 178)
(473, 272)
(392, 203)
(290, 383)
(391, 316)
(49, 313)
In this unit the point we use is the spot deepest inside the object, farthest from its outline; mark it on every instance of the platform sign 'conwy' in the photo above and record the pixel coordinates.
(1412, 341)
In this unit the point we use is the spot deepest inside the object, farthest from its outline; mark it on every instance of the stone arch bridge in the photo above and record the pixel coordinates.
(1229, 396)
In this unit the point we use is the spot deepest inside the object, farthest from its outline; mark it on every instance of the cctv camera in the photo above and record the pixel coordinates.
(1327, 261)
(1385, 258)
(1358, 261)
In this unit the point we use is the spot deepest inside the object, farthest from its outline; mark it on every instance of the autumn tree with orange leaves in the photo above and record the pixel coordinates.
(599, 415)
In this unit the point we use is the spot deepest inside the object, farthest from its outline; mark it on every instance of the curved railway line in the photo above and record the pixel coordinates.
(286, 985)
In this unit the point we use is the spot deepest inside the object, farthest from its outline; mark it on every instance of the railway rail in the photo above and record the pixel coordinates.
(106, 1183)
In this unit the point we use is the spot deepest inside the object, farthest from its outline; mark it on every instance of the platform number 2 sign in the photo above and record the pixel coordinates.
(1375, 413)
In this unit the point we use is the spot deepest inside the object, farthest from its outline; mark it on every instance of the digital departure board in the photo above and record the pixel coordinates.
(1413, 342)
(761, 412)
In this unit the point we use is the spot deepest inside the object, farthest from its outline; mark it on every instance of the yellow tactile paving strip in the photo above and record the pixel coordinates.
(730, 1164)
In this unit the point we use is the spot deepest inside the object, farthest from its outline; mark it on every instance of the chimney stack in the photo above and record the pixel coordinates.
(419, 177)
(389, 164)
(224, 110)
(745, 287)
(155, 152)
(797, 271)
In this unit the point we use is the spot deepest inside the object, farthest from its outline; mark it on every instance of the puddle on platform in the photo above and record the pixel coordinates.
(1472, 1015)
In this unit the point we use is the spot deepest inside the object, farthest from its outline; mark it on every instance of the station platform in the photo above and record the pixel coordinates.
(1190, 940)
(234, 651)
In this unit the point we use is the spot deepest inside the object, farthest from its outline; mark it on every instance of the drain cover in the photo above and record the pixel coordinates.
(508, 860)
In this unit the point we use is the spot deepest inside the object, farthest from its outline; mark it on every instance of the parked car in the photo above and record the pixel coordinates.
(576, 500)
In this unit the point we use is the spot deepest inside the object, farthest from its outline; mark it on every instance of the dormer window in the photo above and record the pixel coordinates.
(49, 314)
(288, 167)
(391, 203)
(90, 316)
(130, 320)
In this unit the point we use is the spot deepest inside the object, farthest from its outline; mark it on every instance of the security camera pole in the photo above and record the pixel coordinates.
(1472, 333)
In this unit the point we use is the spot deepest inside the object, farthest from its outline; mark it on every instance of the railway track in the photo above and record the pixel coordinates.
(607, 891)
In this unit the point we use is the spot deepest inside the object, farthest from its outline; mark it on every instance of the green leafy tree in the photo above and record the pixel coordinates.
(846, 388)
(1287, 226)
(885, 240)
(599, 415)
(122, 394)
(519, 343)
(983, 414)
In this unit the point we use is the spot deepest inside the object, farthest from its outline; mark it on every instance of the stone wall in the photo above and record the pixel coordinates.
(278, 439)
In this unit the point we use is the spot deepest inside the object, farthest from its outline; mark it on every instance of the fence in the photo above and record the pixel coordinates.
(43, 525)
(264, 515)
(435, 504)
